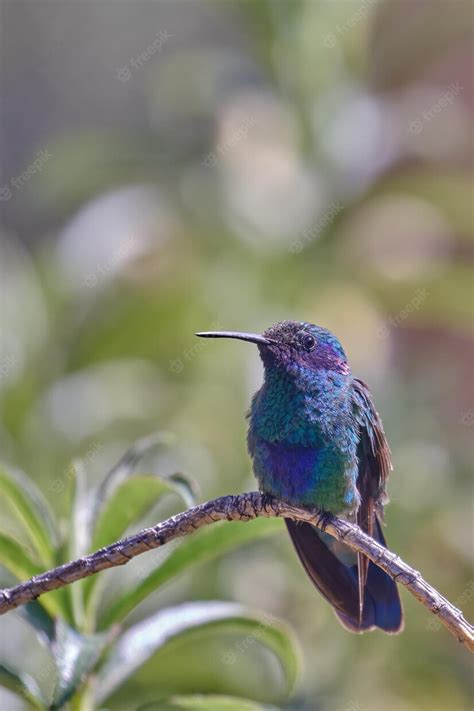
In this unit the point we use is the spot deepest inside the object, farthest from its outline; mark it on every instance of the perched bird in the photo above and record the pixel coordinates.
(316, 439)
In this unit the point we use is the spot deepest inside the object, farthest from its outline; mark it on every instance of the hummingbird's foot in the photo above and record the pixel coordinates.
(324, 518)
(268, 500)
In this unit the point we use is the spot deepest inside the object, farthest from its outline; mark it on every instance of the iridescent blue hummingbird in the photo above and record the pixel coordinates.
(316, 439)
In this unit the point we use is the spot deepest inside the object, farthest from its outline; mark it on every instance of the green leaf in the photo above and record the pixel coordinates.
(32, 510)
(43, 624)
(126, 466)
(205, 545)
(22, 685)
(75, 655)
(129, 503)
(33, 613)
(79, 534)
(15, 558)
(143, 640)
(185, 487)
(208, 702)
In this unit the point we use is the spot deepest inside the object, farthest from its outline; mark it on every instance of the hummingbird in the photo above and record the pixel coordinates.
(316, 439)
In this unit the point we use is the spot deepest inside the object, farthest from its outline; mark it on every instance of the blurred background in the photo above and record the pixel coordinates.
(175, 166)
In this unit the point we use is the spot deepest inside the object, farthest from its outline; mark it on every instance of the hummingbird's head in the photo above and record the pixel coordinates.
(294, 344)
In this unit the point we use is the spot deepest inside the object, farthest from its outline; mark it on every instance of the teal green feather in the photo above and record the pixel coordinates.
(303, 437)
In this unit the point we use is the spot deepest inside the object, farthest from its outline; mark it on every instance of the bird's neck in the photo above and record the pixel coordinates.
(294, 379)
(296, 405)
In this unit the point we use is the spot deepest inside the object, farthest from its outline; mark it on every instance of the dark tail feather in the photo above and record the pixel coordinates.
(333, 569)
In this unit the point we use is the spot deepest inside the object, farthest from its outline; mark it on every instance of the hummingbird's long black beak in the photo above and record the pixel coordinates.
(251, 337)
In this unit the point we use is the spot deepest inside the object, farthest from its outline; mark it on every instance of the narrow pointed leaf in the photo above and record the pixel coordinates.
(126, 466)
(143, 640)
(79, 534)
(185, 487)
(16, 559)
(38, 618)
(75, 655)
(32, 510)
(205, 545)
(129, 503)
(22, 685)
(33, 613)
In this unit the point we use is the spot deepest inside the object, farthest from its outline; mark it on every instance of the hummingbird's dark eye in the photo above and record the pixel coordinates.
(308, 342)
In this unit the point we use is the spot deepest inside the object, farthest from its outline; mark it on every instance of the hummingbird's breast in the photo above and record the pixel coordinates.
(303, 440)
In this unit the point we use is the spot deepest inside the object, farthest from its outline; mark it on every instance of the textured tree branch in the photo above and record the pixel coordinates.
(243, 507)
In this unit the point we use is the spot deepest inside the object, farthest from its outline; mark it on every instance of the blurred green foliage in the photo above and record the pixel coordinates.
(90, 667)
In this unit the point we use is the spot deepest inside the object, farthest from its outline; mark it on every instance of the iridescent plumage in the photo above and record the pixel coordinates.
(316, 439)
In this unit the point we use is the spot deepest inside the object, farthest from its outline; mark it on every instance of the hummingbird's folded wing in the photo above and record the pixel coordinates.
(374, 467)
(374, 453)
(363, 596)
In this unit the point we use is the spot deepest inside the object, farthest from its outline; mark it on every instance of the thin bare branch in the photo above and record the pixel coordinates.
(242, 507)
